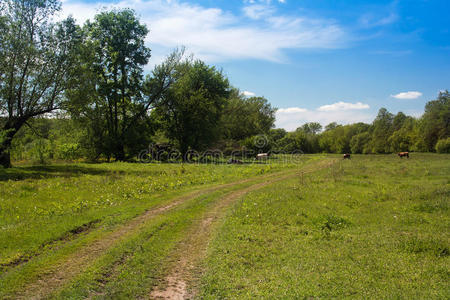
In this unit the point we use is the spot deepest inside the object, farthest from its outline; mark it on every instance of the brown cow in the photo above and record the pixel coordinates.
(401, 154)
(346, 155)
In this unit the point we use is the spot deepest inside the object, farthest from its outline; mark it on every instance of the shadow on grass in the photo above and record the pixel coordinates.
(39, 172)
(52, 171)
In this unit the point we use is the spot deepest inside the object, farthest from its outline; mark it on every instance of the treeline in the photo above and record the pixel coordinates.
(80, 92)
(388, 133)
(247, 123)
(63, 137)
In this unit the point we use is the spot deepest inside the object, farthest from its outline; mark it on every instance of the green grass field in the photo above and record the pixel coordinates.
(375, 226)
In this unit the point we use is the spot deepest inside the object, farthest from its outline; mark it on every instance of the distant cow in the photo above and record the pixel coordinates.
(401, 154)
(261, 156)
(346, 155)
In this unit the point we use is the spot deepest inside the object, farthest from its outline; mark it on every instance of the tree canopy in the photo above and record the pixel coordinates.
(37, 62)
(191, 108)
(245, 117)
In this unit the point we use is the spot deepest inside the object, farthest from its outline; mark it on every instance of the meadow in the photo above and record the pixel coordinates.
(375, 226)
(369, 227)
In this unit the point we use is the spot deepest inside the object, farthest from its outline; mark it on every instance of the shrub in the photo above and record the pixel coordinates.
(443, 146)
(69, 151)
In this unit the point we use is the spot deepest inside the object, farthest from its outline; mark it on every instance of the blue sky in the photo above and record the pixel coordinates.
(316, 60)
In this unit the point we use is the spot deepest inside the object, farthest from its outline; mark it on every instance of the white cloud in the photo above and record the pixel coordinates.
(291, 110)
(248, 94)
(216, 35)
(343, 106)
(258, 11)
(407, 95)
(293, 117)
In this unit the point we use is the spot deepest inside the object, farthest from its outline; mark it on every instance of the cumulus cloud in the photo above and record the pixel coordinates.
(291, 110)
(340, 112)
(407, 95)
(213, 34)
(343, 106)
(248, 94)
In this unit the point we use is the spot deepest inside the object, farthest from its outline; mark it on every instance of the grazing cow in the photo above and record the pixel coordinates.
(401, 154)
(346, 155)
(261, 156)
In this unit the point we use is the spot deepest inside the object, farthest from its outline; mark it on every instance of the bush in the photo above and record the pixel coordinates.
(69, 151)
(443, 146)
(419, 146)
(39, 150)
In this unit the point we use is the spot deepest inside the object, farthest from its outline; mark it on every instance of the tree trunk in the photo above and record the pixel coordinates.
(5, 158)
(184, 152)
(120, 152)
(11, 127)
(5, 146)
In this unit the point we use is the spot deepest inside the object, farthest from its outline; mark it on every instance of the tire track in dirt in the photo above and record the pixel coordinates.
(51, 245)
(61, 273)
(177, 285)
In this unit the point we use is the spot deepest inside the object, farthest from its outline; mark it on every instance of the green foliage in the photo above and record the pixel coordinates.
(245, 117)
(312, 128)
(191, 109)
(331, 126)
(258, 144)
(436, 120)
(4, 135)
(294, 142)
(38, 62)
(360, 143)
(275, 136)
(338, 138)
(382, 129)
(48, 139)
(69, 151)
(443, 146)
(402, 139)
(109, 97)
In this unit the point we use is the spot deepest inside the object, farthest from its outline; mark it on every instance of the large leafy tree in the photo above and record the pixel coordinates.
(37, 59)
(436, 120)
(112, 97)
(245, 117)
(404, 136)
(191, 109)
(360, 143)
(311, 128)
(382, 130)
(119, 55)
